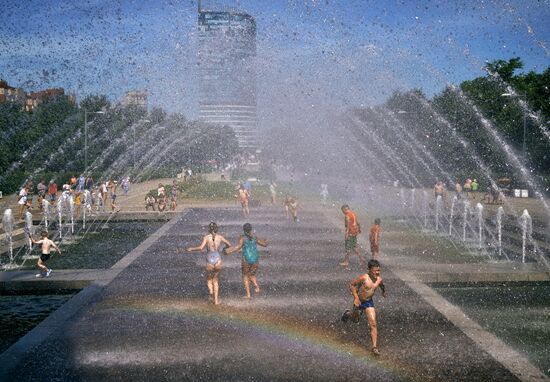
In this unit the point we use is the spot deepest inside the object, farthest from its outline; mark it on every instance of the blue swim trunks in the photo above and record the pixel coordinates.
(367, 304)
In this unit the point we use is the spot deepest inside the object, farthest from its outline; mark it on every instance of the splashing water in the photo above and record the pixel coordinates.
(413, 195)
(46, 212)
(500, 212)
(425, 208)
(465, 219)
(28, 229)
(452, 215)
(526, 232)
(437, 211)
(71, 210)
(479, 208)
(7, 224)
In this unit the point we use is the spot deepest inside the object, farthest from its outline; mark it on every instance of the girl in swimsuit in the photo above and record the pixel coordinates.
(213, 242)
(248, 244)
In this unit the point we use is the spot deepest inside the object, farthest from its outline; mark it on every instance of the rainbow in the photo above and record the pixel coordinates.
(284, 327)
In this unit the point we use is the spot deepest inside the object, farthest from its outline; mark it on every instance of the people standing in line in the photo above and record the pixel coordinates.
(374, 238)
(362, 289)
(52, 191)
(47, 245)
(248, 243)
(352, 229)
(212, 241)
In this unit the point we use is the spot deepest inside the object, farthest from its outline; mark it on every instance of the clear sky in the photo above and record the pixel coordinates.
(311, 53)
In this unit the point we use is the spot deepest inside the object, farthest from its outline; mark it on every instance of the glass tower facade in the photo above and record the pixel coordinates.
(227, 74)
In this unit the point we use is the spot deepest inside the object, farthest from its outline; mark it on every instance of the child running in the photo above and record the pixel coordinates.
(362, 288)
(213, 259)
(47, 245)
(248, 243)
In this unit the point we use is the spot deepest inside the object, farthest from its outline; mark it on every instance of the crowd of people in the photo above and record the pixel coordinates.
(82, 190)
(470, 189)
(162, 200)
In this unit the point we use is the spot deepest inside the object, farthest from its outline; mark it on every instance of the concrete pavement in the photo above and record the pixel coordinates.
(150, 318)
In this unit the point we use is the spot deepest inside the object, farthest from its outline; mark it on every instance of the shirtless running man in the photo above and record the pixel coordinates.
(47, 245)
(244, 195)
(213, 242)
(362, 288)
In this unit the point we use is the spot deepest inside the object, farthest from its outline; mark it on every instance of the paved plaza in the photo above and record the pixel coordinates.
(149, 318)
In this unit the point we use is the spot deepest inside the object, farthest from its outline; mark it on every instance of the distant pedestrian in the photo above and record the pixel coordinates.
(244, 197)
(22, 201)
(374, 238)
(352, 230)
(475, 187)
(174, 195)
(161, 191)
(80, 184)
(41, 189)
(212, 241)
(248, 243)
(273, 192)
(52, 191)
(46, 247)
(458, 190)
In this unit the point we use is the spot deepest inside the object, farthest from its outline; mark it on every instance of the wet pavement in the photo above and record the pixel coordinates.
(153, 320)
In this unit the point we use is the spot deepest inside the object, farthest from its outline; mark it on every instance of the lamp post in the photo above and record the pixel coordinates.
(86, 136)
(134, 149)
(524, 96)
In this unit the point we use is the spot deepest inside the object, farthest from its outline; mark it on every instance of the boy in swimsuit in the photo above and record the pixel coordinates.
(47, 245)
(249, 265)
(362, 288)
(213, 259)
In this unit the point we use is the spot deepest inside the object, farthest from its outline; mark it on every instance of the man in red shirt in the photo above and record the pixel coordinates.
(352, 230)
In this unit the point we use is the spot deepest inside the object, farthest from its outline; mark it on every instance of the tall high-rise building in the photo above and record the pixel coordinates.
(227, 73)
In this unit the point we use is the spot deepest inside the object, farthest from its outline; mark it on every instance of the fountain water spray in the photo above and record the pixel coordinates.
(71, 210)
(452, 214)
(500, 212)
(479, 208)
(437, 211)
(7, 224)
(46, 212)
(465, 219)
(87, 206)
(60, 216)
(413, 197)
(28, 229)
(526, 232)
(425, 208)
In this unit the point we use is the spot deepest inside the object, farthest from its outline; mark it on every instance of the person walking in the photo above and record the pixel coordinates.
(352, 229)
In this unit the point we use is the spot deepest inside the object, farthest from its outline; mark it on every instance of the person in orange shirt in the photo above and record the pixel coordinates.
(353, 228)
(375, 238)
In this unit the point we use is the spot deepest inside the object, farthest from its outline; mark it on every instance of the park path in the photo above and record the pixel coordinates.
(153, 321)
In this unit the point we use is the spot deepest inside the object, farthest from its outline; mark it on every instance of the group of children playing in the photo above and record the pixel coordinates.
(248, 244)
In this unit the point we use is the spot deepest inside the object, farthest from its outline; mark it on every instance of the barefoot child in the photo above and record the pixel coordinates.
(248, 243)
(47, 245)
(213, 259)
(362, 288)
